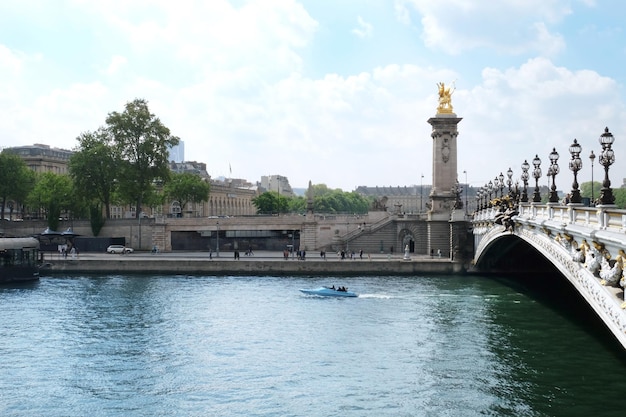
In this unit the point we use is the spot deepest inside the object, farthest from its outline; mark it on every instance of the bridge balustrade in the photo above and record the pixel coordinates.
(601, 218)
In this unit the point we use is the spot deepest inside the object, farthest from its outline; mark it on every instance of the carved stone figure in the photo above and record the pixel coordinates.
(592, 259)
(578, 251)
(611, 274)
(380, 204)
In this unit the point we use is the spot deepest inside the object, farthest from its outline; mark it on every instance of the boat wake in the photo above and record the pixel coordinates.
(381, 296)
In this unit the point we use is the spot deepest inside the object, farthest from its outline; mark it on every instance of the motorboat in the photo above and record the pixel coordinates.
(329, 292)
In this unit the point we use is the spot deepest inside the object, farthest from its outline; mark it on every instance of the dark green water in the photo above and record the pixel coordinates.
(255, 346)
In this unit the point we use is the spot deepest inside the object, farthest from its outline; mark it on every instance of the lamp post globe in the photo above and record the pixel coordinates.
(485, 196)
(607, 158)
(537, 175)
(477, 198)
(500, 179)
(575, 165)
(509, 181)
(525, 176)
(552, 171)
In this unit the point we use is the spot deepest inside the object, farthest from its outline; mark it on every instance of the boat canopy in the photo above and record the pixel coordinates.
(18, 243)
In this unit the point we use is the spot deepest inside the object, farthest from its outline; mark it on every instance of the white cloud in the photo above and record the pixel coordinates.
(532, 109)
(364, 29)
(117, 62)
(509, 27)
(402, 12)
(10, 63)
(234, 84)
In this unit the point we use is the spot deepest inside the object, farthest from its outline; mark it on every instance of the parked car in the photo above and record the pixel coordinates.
(119, 249)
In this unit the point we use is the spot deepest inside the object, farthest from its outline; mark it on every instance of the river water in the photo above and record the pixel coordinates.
(256, 346)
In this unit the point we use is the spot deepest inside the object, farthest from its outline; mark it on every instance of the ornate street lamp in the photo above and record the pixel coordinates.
(500, 181)
(537, 175)
(478, 197)
(592, 157)
(509, 181)
(483, 197)
(515, 194)
(575, 165)
(607, 157)
(489, 191)
(525, 168)
(553, 169)
(485, 201)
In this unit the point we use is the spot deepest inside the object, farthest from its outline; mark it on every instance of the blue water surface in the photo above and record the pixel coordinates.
(256, 346)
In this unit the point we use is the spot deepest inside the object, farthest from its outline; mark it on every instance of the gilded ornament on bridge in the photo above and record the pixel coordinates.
(445, 98)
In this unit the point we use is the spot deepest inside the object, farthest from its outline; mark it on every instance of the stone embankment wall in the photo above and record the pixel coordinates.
(157, 265)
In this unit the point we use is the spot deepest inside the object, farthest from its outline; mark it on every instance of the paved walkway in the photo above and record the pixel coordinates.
(258, 255)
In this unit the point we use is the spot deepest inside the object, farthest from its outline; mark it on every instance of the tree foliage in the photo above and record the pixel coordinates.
(141, 143)
(325, 200)
(94, 168)
(620, 197)
(16, 182)
(270, 202)
(187, 188)
(53, 193)
(339, 201)
(585, 189)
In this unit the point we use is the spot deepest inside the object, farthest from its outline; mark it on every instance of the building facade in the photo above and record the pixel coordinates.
(408, 199)
(42, 158)
(276, 183)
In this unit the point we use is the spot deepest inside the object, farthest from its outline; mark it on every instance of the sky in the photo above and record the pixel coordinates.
(333, 92)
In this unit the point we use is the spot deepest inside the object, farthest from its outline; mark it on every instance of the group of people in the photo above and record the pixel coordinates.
(301, 254)
(68, 248)
(343, 254)
(342, 289)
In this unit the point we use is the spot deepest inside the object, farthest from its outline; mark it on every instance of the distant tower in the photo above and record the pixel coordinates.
(177, 152)
(442, 231)
(442, 195)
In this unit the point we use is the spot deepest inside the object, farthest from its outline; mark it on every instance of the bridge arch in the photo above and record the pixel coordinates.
(510, 253)
(559, 240)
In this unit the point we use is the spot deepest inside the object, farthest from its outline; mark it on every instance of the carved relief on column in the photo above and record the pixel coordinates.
(445, 150)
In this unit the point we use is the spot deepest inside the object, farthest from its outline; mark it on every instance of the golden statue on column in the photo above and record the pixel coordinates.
(445, 98)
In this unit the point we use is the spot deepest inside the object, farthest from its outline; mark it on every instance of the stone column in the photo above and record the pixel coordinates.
(442, 196)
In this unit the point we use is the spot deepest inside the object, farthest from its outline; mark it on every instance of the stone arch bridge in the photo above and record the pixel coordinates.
(584, 244)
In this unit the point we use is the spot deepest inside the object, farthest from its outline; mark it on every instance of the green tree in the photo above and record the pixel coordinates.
(320, 190)
(270, 202)
(94, 168)
(95, 218)
(585, 189)
(52, 193)
(338, 201)
(325, 200)
(141, 142)
(16, 181)
(297, 204)
(187, 188)
(620, 197)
